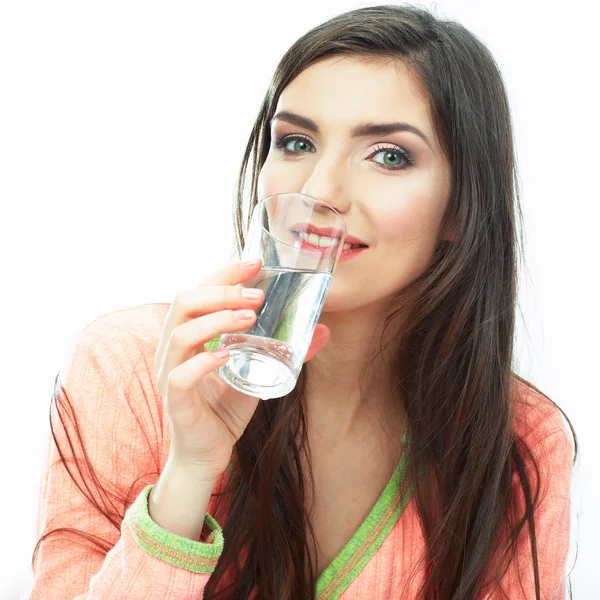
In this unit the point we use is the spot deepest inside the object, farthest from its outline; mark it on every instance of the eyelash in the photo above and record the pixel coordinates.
(281, 141)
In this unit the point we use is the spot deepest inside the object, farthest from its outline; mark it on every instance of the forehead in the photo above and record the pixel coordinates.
(340, 91)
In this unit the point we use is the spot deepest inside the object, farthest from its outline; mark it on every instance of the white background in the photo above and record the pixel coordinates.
(122, 127)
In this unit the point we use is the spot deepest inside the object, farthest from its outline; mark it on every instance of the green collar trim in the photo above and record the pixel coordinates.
(345, 567)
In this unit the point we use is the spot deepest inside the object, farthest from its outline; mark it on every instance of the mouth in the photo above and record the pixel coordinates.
(324, 242)
(325, 237)
(311, 245)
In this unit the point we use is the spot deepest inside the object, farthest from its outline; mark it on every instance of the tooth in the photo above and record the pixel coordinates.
(347, 246)
(321, 241)
(327, 242)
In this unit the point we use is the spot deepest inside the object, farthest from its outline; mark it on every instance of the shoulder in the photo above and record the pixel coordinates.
(110, 366)
(540, 428)
(119, 341)
(140, 324)
(541, 425)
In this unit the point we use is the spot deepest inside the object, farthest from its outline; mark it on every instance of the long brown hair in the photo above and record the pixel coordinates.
(454, 368)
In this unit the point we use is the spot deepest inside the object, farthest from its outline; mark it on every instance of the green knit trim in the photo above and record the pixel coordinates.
(213, 344)
(199, 557)
(346, 566)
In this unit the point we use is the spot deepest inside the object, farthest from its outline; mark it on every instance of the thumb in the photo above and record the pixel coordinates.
(319, 341)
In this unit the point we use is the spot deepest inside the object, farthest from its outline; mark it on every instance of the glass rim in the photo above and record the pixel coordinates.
(263, 200)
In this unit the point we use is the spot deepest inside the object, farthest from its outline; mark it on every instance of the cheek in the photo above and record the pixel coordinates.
(275, 179)
(415, 214)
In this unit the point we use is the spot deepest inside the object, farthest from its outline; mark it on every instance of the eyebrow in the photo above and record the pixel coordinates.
(361, 130)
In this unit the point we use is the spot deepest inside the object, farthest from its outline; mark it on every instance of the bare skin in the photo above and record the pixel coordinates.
(353, 435)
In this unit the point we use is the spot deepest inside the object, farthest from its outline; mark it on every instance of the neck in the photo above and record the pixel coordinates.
(350, 387)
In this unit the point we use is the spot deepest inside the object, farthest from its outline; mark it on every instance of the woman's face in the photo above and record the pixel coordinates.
(391, 188)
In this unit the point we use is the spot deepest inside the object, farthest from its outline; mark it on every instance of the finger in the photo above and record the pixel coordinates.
(192, 335)
(183, 379)
(190, 303)
(198, 302)
(185, 304)
(232, 274)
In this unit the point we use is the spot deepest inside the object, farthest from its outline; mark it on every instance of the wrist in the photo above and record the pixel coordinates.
(197, 475)
(179, 500)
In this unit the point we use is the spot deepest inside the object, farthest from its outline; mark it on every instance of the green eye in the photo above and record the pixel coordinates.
(301, 145)
(394, 158)
(293, 144)
(391, 159)
(393, 162)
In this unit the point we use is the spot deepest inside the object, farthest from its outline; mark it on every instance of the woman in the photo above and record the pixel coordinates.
(410, 461)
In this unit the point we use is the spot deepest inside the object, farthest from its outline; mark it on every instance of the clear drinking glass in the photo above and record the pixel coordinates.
(296, 272)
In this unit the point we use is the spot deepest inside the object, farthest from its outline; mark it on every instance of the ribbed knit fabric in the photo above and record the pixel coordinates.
(110, 380)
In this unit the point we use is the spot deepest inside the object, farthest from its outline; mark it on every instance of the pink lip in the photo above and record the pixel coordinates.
(351, 252)
(326, 231)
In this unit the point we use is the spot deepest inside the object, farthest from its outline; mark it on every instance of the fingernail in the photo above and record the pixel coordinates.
(221, 353)
(250, 264)
(244, 315)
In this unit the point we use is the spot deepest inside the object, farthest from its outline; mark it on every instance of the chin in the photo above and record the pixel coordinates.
(339, 301)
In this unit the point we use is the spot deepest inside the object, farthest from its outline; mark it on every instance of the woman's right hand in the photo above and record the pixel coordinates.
(206, 415)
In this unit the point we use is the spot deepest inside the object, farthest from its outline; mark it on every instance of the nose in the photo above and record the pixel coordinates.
(326, 183)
